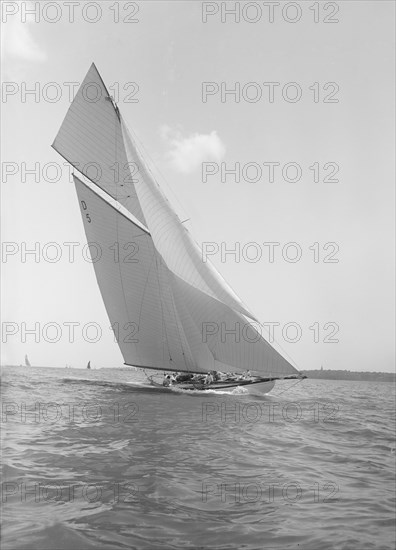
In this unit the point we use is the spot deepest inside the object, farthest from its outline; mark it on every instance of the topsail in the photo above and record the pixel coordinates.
(166, 306)
(90, 139)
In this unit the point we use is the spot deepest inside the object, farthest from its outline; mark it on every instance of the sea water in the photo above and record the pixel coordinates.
(97, 459)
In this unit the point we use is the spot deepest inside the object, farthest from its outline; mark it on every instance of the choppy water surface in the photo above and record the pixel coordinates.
(94, 459)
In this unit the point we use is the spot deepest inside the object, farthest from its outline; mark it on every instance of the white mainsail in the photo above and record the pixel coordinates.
(159, 295)
(133, 282)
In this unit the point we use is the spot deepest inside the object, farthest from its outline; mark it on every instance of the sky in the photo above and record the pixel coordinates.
(327, 121)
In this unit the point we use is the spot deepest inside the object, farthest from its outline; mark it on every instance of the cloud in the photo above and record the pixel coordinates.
(18, 42)
(187, 154)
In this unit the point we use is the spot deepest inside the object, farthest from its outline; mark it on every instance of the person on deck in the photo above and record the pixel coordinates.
(167, 380)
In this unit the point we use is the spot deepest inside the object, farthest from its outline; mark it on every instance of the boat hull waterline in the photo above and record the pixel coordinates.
(251, 386)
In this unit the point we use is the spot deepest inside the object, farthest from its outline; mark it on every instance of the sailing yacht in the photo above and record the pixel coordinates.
(159, 294)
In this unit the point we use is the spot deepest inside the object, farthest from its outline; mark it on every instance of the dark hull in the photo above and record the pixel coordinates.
(266, 383)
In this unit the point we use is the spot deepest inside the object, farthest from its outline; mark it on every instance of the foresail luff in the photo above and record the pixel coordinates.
(159, 294)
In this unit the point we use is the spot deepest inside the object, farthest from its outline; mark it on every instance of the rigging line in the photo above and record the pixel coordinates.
(287, 389)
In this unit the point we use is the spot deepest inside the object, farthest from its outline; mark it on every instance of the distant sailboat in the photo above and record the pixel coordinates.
(27, 362)
(89, 365)
(159, 294)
